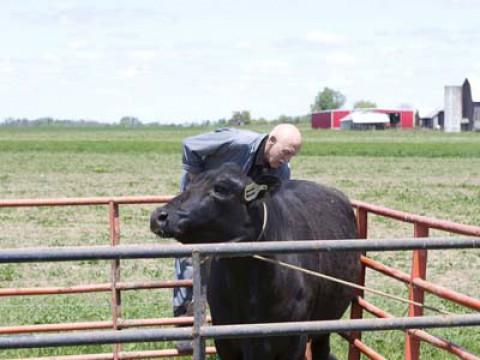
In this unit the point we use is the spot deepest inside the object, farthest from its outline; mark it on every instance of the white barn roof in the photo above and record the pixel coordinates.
(366, 117)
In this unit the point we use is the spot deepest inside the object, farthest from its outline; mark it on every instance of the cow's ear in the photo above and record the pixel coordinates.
(263, 184)
(273, 182)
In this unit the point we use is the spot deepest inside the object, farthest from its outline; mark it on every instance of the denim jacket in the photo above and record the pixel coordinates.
(210, 150)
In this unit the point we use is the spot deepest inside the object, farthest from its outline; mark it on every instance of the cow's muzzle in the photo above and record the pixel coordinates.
(159, 223)
(165, 224)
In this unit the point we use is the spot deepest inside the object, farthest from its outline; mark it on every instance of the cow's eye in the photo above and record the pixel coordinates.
(220, 189)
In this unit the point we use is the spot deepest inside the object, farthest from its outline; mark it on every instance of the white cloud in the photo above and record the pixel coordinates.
(132, 71)
(51, 57)
(78, 43)
(88, 55)
(465, 2)
(269, 66)
(325, 38)
(243, 45)
(340, 58)
(174, 51)
(144, 55)
(6, 66)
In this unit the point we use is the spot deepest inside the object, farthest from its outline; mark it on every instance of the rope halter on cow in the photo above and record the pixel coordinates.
(252, 190)
(251, 193)
(265, 219)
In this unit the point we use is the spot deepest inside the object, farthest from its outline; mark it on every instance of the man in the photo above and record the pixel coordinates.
(255, 153)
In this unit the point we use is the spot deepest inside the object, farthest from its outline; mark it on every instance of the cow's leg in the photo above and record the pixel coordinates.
(228, 349)
(321, 348)
(293, 348)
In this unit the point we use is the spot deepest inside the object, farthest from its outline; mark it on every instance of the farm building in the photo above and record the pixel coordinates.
(461, 112)
(332, 119)
(433, 119)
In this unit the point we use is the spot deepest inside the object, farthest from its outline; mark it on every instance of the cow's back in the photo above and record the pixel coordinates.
(316, 212)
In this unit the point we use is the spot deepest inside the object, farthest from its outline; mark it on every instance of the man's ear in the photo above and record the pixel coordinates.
(262, 185)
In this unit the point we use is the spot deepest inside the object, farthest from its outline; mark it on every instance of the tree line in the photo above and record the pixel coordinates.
(326, 99)
(238, 118)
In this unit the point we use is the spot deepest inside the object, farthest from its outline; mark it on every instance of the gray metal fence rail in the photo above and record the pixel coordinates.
(46, 254)
(236, 331)
(200, 331)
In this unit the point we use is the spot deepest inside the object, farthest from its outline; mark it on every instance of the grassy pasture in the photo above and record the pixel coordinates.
(428, 173)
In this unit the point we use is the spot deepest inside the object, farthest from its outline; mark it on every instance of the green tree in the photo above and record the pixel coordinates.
(130, 121)
(240, 118)
(364, 104)
(221, 122)
(328, 99)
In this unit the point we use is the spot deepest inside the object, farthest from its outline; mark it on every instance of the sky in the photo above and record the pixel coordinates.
(185, 61)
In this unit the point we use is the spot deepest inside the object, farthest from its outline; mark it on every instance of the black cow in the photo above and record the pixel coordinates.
(223, 205)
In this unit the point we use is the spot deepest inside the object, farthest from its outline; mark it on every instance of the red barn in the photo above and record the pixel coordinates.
(330, 119)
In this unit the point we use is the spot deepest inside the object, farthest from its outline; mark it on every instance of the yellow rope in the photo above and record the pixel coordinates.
(347, 283)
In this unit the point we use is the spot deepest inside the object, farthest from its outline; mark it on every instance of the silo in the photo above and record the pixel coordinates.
(453, 108)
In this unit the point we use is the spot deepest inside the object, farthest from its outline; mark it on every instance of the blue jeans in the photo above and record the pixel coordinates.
(182, 296)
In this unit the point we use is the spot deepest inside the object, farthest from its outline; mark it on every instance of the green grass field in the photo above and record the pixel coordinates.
(429, 173)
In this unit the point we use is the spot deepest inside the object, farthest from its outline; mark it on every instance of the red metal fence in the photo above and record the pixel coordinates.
(416, 281)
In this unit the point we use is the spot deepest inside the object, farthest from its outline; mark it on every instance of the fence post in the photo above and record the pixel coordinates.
(419, 270)
(199, 305)
(114, 224)
(356, 310)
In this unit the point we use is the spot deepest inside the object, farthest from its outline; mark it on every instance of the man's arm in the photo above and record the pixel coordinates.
(196, 149)
(186, 179)
(191, 176)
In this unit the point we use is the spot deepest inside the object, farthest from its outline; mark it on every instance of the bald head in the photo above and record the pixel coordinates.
(284, 142)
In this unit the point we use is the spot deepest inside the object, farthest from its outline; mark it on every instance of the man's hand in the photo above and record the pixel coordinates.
(191, 176)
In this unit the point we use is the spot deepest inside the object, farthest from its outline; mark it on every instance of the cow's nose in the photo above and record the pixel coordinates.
(158, 221)
(162, 216)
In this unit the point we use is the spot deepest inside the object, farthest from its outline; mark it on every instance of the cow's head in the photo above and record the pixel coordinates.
(219, 205)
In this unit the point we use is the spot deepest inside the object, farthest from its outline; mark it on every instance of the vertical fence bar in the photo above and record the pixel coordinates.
(356, 310)
(419, 270)
(199, 305)
(114, 223)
